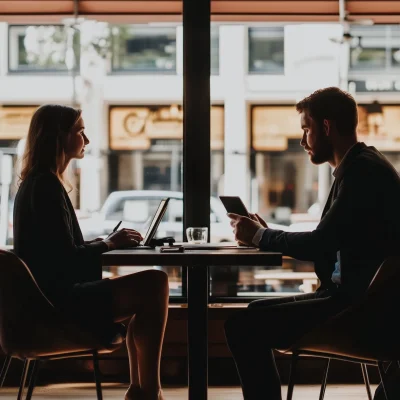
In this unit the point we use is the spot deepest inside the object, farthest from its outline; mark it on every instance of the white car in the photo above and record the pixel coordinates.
(137, 207)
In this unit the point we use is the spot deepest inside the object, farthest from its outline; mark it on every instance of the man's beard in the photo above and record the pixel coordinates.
(318, 158)
(322, 154)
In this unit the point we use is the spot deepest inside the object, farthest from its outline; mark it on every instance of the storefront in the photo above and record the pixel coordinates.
(145, 145)
(379, 126)
(287, 181)
(14, 126)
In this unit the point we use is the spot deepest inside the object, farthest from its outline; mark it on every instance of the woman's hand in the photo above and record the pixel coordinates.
(124, 238)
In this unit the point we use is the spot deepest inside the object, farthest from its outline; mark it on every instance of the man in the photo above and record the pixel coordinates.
(359, 228)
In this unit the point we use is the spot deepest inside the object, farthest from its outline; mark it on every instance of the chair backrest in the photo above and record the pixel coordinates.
(367, 329)
(29, 324)
(387, 276)
(21, 301)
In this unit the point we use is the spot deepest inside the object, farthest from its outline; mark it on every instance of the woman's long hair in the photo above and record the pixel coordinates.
(48, 135)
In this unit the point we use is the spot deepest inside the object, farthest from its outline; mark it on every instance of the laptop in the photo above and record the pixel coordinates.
(155, 222)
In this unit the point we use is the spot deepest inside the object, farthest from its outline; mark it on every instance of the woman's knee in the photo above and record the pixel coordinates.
(158, 280)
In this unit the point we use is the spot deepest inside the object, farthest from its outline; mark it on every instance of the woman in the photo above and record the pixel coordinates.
(68, 269)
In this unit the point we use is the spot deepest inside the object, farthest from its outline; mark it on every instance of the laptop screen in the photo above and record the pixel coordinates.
(158, 216)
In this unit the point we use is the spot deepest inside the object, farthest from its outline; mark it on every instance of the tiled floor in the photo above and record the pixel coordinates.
(114, 392)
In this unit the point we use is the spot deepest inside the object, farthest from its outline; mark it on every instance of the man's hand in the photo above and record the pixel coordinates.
(245, 228)
(257, 218)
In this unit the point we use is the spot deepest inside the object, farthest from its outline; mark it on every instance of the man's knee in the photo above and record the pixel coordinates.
(258, 303)
(234, 325)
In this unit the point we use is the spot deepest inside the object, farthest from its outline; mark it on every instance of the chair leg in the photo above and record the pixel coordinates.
(97, 376)
(32, 380)
(324, 379)
(382, 375)
(366, 380)
(293, 365)
(23, 379)
(4, 370)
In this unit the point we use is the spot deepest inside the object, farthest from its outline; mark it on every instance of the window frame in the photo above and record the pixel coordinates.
(12, 38)
(385, 41)
(275, 32)
(142, 71)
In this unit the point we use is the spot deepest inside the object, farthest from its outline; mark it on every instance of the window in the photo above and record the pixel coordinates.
(38, 48)
(266, 50)
(375, 48)
(214, 50)
(144, 49)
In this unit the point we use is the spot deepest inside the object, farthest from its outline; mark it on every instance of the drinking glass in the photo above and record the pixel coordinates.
(197, 235)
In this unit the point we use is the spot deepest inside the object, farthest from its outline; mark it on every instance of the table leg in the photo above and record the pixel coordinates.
(197, 295)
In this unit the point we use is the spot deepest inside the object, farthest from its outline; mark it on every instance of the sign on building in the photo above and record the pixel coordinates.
(133, 128)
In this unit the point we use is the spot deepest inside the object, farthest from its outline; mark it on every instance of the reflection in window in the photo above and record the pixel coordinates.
(144, 49)
(375, 48)
(372, 58)
(266, 50)
(214, 50)
(396, 57)
(38, 48)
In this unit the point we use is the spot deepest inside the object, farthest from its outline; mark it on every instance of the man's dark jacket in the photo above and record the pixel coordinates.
(361, 219)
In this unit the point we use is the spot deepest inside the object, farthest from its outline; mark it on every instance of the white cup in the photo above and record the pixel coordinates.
(197, 235)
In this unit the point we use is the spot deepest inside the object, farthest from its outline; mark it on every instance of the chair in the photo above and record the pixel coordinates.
(364, 333)
(32, 330)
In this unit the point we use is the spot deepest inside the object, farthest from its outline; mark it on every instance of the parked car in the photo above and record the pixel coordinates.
(137, 207)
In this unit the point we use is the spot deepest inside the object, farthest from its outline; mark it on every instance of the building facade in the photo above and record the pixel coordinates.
(128, 80)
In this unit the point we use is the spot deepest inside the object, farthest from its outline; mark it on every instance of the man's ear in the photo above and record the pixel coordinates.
(327, 127)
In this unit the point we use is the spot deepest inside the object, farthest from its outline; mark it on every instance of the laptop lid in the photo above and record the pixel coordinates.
(158, 216)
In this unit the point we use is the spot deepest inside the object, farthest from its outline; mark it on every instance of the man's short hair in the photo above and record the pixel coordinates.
(333, 104)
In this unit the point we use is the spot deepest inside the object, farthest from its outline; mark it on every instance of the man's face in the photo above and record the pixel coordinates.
(315, 140)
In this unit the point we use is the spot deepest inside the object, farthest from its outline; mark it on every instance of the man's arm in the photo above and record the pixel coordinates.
(345, 222)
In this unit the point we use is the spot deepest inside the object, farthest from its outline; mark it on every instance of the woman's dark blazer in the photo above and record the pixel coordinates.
(47, 237)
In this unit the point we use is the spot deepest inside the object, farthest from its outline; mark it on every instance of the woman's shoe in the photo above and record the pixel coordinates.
(158, 396)
(134, 393)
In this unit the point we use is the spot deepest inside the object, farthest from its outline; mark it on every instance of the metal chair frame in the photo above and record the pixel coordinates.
(31, 368)
(383, 372)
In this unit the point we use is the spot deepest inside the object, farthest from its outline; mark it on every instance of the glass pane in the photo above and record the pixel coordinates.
(143, 48)
(375, 47)
(369, 58)
(214, 50)
(395, 57)
(38, 47)
(266, 50)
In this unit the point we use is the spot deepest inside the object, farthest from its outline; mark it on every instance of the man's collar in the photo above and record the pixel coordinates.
(354, 150)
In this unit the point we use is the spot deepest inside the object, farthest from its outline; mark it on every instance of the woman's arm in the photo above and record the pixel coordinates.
(54, 224)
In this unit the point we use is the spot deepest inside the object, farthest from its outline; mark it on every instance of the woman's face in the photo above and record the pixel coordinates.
(77, 141)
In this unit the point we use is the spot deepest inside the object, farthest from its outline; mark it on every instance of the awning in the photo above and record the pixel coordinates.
(26, 11)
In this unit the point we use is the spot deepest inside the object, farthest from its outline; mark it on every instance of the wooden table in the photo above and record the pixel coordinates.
(197, 263)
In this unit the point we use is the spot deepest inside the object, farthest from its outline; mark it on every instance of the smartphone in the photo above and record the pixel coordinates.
(234, 204)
